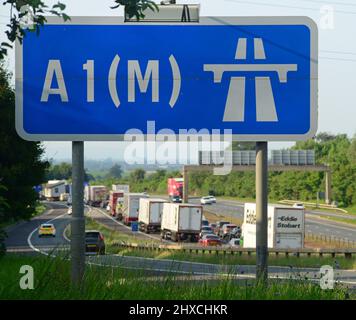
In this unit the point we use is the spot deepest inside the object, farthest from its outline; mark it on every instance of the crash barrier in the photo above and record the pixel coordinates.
(347, 253)
(313, 204)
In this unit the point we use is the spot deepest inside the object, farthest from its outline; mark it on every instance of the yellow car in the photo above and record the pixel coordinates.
(47, 229)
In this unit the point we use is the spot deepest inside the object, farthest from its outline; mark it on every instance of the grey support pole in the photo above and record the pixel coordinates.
(185, 185)
(328, 186)
(261, 211)
(78, 222)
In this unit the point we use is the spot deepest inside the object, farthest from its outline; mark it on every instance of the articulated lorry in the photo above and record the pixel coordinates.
(285, 227)
(95, 195)
(181, 222)
(131, 207)
(175, 189)
(150, 214)
(115, 198)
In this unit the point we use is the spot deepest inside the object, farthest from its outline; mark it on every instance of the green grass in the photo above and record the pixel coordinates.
(351, 209)
(52, 281)
(344, 220)
(113, 237)
(244, 259)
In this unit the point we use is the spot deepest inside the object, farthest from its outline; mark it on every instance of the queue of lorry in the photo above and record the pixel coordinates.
(177, 221)
(172, 219)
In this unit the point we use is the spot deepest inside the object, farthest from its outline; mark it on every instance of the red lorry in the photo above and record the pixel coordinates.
(113, 200)
(175, 189)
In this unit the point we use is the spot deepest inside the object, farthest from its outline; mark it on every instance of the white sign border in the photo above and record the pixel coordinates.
(268, 20)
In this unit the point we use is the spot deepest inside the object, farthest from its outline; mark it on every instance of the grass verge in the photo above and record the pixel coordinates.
(52, 281)
(113, 237)
(244, 259)
(340, 219)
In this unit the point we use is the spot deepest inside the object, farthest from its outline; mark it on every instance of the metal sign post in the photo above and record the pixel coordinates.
(261, 211)
(77, 244)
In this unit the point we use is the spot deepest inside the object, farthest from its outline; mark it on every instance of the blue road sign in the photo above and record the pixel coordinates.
(134, 226)
(99, 78)
(38, 188)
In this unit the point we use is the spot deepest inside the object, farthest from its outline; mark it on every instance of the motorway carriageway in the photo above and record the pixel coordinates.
(313, 219)
(23, 238)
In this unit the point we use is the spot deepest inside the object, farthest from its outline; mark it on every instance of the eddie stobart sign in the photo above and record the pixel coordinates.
(288, 222)
(281, 219)
(99, 78)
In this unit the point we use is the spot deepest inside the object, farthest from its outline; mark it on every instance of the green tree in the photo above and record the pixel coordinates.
(352, 150)
(138, 175)
(21, 167)
(62, 171)
(115, 172)
(337, 152)
(3, 207)
(37, 10)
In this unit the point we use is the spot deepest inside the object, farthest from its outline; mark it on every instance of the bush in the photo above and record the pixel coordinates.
(2, 242)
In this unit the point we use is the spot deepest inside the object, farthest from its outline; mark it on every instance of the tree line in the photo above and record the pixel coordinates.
(336, 151)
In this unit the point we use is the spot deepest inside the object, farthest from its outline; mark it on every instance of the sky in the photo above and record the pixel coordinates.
(337, 58)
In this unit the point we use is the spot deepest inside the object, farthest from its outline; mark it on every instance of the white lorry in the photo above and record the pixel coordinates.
(131, 207)
(53, 189)
(181, 221)
(150, 214)
(95, 195)
(285, 227)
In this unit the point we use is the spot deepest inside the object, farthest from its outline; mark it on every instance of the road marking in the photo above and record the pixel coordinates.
(64, 233)
(29, 242)
(127, 227)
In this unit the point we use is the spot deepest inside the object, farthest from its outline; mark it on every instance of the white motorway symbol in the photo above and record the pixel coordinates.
(235, 103)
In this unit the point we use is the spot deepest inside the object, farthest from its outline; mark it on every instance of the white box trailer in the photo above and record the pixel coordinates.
(150, 214)
(131, 207)
(53, 189)
(95, 195)
(286, 227)
(181, 221)
(125, 188)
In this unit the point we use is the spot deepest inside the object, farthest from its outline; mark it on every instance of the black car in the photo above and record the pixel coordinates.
(176, 199)
(94, 242)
